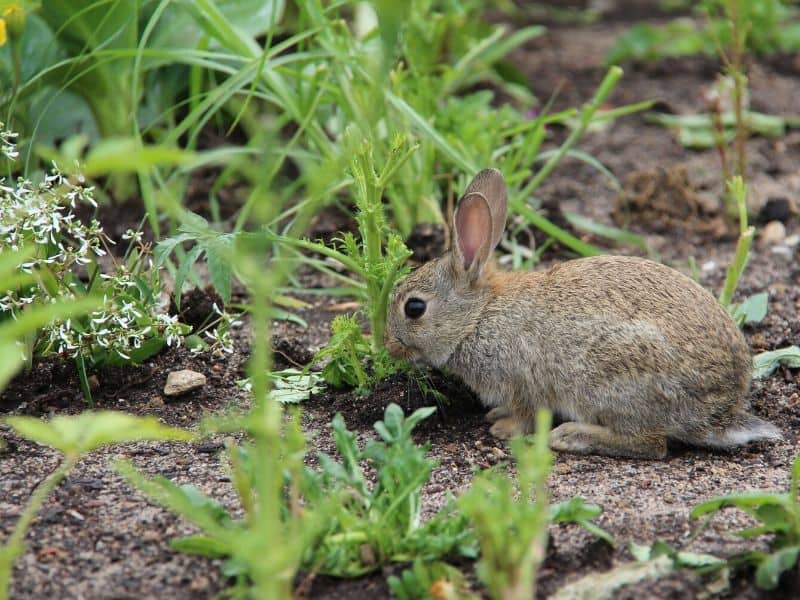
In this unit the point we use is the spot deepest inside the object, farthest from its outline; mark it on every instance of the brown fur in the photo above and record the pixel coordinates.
(629, 351)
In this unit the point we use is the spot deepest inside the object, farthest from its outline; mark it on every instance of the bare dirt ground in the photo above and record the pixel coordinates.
(98, 538)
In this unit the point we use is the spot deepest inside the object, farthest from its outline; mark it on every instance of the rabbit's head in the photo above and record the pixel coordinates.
(440, 303)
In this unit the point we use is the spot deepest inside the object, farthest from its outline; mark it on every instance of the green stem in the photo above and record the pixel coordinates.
(737, 267)
(738, 38)
(15, 546)
(606, 87)
(16, 59)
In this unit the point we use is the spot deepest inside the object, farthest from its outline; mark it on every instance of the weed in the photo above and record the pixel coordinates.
(767, 24)
(347, 527)
(430, 581)
(777, 515)
(513, 534)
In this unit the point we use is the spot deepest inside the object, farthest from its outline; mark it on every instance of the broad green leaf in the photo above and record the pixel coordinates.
(752, 310)
(91, 430)
(127, 155)
(765, 363)
(769, 571)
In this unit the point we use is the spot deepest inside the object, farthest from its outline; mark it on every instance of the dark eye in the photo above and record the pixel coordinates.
(415, 308)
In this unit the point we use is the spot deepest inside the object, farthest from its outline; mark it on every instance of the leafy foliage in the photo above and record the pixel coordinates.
(513, 547)
(764, 364)
(777, 515)
(127, 326)
(430, 581)
(347, 527)
(769, 23)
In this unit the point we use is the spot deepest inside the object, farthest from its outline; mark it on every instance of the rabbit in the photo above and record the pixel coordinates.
(629, 352)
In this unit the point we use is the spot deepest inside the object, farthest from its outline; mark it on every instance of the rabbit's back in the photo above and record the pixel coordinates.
(591, 338)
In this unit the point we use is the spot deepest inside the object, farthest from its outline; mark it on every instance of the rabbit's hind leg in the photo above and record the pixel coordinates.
(584, 438)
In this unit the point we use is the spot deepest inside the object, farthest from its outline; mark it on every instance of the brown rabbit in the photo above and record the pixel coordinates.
(628, 351)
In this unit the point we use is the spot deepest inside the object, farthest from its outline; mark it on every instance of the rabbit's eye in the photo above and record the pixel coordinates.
(415, 308)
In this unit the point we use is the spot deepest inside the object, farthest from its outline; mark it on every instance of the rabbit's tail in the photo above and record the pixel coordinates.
(745, 428)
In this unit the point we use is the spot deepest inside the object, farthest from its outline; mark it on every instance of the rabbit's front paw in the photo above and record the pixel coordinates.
(506, 428)
(497, 413)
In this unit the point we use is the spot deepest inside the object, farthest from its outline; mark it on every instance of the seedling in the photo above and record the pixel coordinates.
(513, 533)
(764, 364)
(778, 515)
(340, 524)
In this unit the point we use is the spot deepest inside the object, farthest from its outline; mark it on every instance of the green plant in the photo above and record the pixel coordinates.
(777, 515)
(512, 534)
(336, 521)
(737, 189)
(764, 364)
(127, 326)
(351, 361)
(768, 24)
(73, 437)
(430, 581)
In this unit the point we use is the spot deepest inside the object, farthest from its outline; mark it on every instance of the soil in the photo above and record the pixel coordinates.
(96, 537)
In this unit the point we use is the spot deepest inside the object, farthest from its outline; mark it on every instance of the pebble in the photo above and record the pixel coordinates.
(181, 382)
(773, 233)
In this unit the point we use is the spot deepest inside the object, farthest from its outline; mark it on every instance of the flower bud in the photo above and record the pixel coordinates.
(14, 17)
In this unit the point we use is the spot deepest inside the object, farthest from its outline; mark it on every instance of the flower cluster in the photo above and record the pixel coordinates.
(61, 252)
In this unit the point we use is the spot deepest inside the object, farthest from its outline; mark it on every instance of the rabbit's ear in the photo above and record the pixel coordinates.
(473, 232)
(490, 184)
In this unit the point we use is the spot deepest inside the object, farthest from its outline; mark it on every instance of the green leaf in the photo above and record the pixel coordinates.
(91, 430)
(752, 310)
(127, 155)
(765, 363)
(293, 386)
(219, 255)
(208, 514)
(769, 571)
(202, 545)
(746, 501)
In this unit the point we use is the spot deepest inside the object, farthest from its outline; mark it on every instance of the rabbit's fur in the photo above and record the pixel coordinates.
(628, 351)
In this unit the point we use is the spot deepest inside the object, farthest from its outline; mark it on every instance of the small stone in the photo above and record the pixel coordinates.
(156, 401)
(773, 233)
(497, 453)
(181, 382)
(792, 240)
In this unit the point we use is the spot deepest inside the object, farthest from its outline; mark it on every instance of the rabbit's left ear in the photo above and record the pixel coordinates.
(490, 184)
(472, 230)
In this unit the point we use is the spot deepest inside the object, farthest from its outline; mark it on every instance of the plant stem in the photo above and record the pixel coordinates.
(738, 190)
(738, 37)
(606, 87)
(15, 546)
